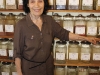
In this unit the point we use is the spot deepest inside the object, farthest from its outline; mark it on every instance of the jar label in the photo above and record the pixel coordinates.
(98, 2)
(60, 2)
(73, 2)
(73, 56)
(5, 73)
(10, 2)
(85, 56)
(1, 3)
(20, 2)
(91, 30)
(10, 53)
(14, 73)
(1, 28)
(96, 56)
(50, 2)
(60, 56)
(80, 30)
(9, 28)
(87, 3)
(3, 52)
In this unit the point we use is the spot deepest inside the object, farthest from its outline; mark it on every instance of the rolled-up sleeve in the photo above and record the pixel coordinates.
(18, 41)
(59, 31)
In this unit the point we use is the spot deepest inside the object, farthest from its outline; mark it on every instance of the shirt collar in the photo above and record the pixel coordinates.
(29, 21)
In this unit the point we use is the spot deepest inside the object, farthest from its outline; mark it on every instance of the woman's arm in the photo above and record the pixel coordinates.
(18, 65)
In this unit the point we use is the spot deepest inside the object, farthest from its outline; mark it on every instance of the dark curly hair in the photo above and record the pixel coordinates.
(27, 10)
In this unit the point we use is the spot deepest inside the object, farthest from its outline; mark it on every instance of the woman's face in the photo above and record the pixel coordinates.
(36, 7)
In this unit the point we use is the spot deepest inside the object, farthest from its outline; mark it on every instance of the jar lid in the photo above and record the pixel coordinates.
(61, 42)
(6, 63)
(73, 42)
(85, 42)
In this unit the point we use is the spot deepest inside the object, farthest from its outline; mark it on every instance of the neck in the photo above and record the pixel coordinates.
(33, 17)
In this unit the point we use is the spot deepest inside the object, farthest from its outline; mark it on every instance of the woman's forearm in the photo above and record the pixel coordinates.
(18, 65)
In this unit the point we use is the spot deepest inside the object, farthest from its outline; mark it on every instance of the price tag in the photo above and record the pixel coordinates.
(79, 30)
(10, 2)
(10, 53)
(73, 56)
(73, 2)
(91, 30)
(1, 28)
(87, 3)
(60, 56)
(5, 73)
(3, 52)
(20, 2)
(9, 28)
(14, 73)
(50, 2)
(85, 56)
(96, 56)
(60, 2)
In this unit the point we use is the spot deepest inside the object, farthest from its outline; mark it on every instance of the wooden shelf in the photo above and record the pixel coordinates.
(6, 36)
(6, 60)
(87, 11)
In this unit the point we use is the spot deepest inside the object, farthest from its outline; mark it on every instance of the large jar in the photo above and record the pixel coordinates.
(2, 32)
(96, 53)
(82, 70)
(59, 70)
(61, 4)
(11, 4)
(74, 4)
(2, 4)
(97, 4)
(13, 69)
(71, 70)
(94, 70)
(5, 69)
(80, 25)
(73, 52)
(60, 52)
(87, 4)
(85, 52)
(68, 22)
(91, 25)
(20, 4)
(9, 24)
(58, 19)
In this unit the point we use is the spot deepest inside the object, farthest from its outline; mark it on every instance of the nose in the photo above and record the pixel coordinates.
(36, 4)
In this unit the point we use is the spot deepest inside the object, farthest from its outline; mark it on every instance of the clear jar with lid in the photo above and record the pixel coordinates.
(80, 25)
(93, 70)
(87, 4)
(20, 4)
(96, 53)
(73, 52)
(60, 52)
(2, 32)
(3, 50)
(5, 69)
(61, 4)
(72, 70)
(85, 53)
(11, 4)
(91, 29)
(59, 70)
(13, 69)
(97, 4)
(58, 19)
(82, 70)
(68, 22)
(10, 24)
(10, 48)
(2, 4)
(74, 4)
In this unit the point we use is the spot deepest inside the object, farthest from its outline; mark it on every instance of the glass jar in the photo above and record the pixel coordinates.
(59, 70)
(13, 69)
(60, 52)
(98, 27)
(97, 4)
(80, 25)
(82, 70)
(2, 32)
(5, 69)
(0, 67)
(2, 4)
(11, 4)
(73, 52)
(85, 52)
(10, 24)
(10, 48)
(72, 70)
(58, 19)
(96, 53)
(20, 4)
(94, 70)
(91, 25)
(61, 4)
(87, 4)
(52, 4)
(68, 22)
(74, 4)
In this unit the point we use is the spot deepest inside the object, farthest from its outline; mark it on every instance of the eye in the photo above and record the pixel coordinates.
(40, 0)
(32, 1)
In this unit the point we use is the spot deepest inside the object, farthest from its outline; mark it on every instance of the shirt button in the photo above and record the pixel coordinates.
(41, 42)
(40, 33)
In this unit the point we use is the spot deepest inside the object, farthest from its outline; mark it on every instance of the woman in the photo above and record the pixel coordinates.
(33, 39)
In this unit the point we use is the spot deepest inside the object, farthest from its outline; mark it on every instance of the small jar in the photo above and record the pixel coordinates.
(72, 70)
(94, 70)
(68, 22)
(96, 53)
(2, 4)
(91, 25)
(59, 70)
(73, 52)
(60, 52)
(58, 19)
(82, 70)
(80, 25)
(85, 52)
